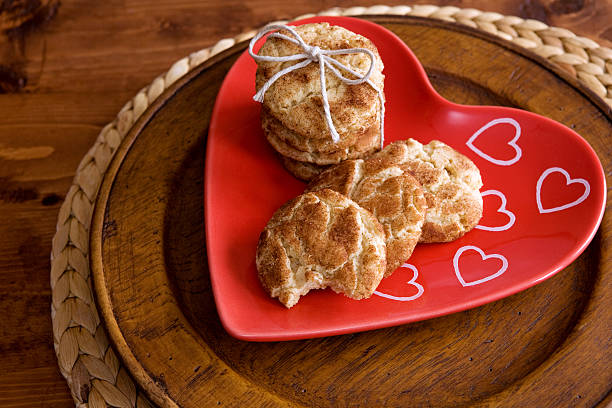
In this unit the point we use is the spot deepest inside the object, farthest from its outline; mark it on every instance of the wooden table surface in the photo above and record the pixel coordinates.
(66, 69)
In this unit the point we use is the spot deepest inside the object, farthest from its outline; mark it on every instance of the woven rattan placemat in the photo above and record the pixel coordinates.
(95, 375)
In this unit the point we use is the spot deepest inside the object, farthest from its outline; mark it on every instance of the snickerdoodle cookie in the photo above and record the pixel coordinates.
(295, 98)
(317, 240)
(450, 180)
(302, 170)
(390, 193)
(282, 140)
(364, 138)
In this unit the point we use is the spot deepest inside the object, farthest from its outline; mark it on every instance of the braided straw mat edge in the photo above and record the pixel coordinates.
(94, 373)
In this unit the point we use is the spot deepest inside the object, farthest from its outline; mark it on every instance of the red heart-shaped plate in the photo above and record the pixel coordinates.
(544, 196)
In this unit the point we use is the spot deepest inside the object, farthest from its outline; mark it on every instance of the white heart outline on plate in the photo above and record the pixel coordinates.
(484, 258)
(512, 143)
(413, 282)
(568, 181)
(502, 209)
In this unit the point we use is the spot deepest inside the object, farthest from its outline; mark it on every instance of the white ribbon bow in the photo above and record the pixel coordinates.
(316, 54)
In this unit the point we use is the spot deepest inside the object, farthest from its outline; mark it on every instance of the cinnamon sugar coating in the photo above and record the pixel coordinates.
(317, 240)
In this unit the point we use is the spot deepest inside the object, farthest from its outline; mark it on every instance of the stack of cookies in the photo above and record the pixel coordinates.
(293, 115)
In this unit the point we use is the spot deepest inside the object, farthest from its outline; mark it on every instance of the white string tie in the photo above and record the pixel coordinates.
(323, 57)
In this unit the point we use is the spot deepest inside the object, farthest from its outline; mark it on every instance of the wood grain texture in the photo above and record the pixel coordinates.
(538, 348)
(66, 68)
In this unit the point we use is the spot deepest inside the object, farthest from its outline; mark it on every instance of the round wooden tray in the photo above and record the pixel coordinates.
(547, 346)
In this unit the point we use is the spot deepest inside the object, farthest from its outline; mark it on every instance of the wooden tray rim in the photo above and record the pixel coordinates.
(101, 295)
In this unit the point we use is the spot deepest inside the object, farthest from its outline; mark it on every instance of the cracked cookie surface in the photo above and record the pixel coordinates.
(451, 183)
(317, 240)
(295, 98)
(393, 195)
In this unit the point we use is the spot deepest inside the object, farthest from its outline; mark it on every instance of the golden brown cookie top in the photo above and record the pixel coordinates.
(317, 240)
(390, 193)
(295, 98)
(450, 180)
